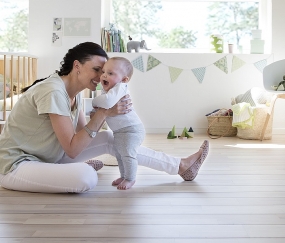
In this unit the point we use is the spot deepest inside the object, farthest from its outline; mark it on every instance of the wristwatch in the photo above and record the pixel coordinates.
(91, 133)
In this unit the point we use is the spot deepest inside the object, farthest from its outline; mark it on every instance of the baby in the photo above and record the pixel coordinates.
(128, 129)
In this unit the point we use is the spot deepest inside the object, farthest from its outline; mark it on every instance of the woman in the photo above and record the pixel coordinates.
(46, 138)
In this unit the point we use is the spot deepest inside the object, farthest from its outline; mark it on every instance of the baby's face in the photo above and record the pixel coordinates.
(112, 74)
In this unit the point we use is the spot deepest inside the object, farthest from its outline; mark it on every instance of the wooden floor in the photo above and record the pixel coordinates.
(238, 197)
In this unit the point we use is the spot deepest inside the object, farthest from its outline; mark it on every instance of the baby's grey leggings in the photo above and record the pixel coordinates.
(127, 141)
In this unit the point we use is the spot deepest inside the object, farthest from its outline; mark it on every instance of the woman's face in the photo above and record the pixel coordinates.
(90, 72)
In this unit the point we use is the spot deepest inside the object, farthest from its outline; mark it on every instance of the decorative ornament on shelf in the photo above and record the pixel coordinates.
(136, 45)
(256, 44)
(217, 43)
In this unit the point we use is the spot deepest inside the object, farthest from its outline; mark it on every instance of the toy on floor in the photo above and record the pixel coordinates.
(171, 134)
(191, 132)
(185, 134)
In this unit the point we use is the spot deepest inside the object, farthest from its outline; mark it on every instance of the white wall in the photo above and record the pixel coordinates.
(160, 103)
(278, 33)
(41, 14)
(184, 103)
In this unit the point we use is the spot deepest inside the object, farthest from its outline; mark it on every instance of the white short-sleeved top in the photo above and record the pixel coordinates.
(108, 99)
(28, 132)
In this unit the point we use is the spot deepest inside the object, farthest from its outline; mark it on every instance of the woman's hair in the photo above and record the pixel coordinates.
(82, 53)
(126, 64)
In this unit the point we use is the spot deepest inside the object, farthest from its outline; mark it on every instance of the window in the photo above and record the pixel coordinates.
(172, 25)
(14, 25)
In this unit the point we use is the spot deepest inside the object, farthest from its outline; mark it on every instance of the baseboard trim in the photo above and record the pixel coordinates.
(276, 131)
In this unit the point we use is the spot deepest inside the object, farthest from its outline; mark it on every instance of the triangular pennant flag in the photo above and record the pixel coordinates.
(237, 63)
(174, 73)
(199, 73)
(222, 64)
(260, 65)
(152, 62)
(138, 63)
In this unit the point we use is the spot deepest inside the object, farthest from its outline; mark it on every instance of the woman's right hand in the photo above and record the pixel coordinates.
(123, 106)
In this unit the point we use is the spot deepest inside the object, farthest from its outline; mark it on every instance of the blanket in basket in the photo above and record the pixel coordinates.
(243, 115)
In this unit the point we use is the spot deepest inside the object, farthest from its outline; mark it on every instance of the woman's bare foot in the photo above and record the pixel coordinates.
(125, 185)
(194, 162)
(187, 162)
(117, 181)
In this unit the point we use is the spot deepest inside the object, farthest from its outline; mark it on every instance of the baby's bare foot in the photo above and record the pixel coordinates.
(125, 185)
(117, 181)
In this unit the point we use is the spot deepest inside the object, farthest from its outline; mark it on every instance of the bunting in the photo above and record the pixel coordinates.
(199, 73)
(222, 64)
(152, 62)
(138, 63)
(260, 65)
(237, 63)
(174, 73)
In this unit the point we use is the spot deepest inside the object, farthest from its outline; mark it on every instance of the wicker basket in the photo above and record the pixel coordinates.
(221, 126)
(255, 131)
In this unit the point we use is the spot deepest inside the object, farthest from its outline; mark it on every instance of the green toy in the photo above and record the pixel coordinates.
(171, 134)
(185, 134)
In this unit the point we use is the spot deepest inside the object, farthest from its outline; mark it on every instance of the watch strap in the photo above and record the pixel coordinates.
(91, 133)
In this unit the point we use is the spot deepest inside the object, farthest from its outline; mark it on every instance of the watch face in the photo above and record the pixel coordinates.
(92, 134)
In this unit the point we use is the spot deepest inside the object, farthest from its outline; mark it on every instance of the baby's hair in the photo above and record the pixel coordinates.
(127, 65)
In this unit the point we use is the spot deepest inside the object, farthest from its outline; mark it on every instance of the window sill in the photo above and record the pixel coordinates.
(189, 52)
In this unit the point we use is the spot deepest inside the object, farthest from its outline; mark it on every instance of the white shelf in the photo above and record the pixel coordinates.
(87, 106)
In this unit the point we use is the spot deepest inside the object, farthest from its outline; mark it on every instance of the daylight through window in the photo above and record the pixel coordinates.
(187, 25)
(14, 25)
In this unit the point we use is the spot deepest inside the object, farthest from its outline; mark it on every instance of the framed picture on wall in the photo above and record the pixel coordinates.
(57, 24)
(77, 27)
(56, 38)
